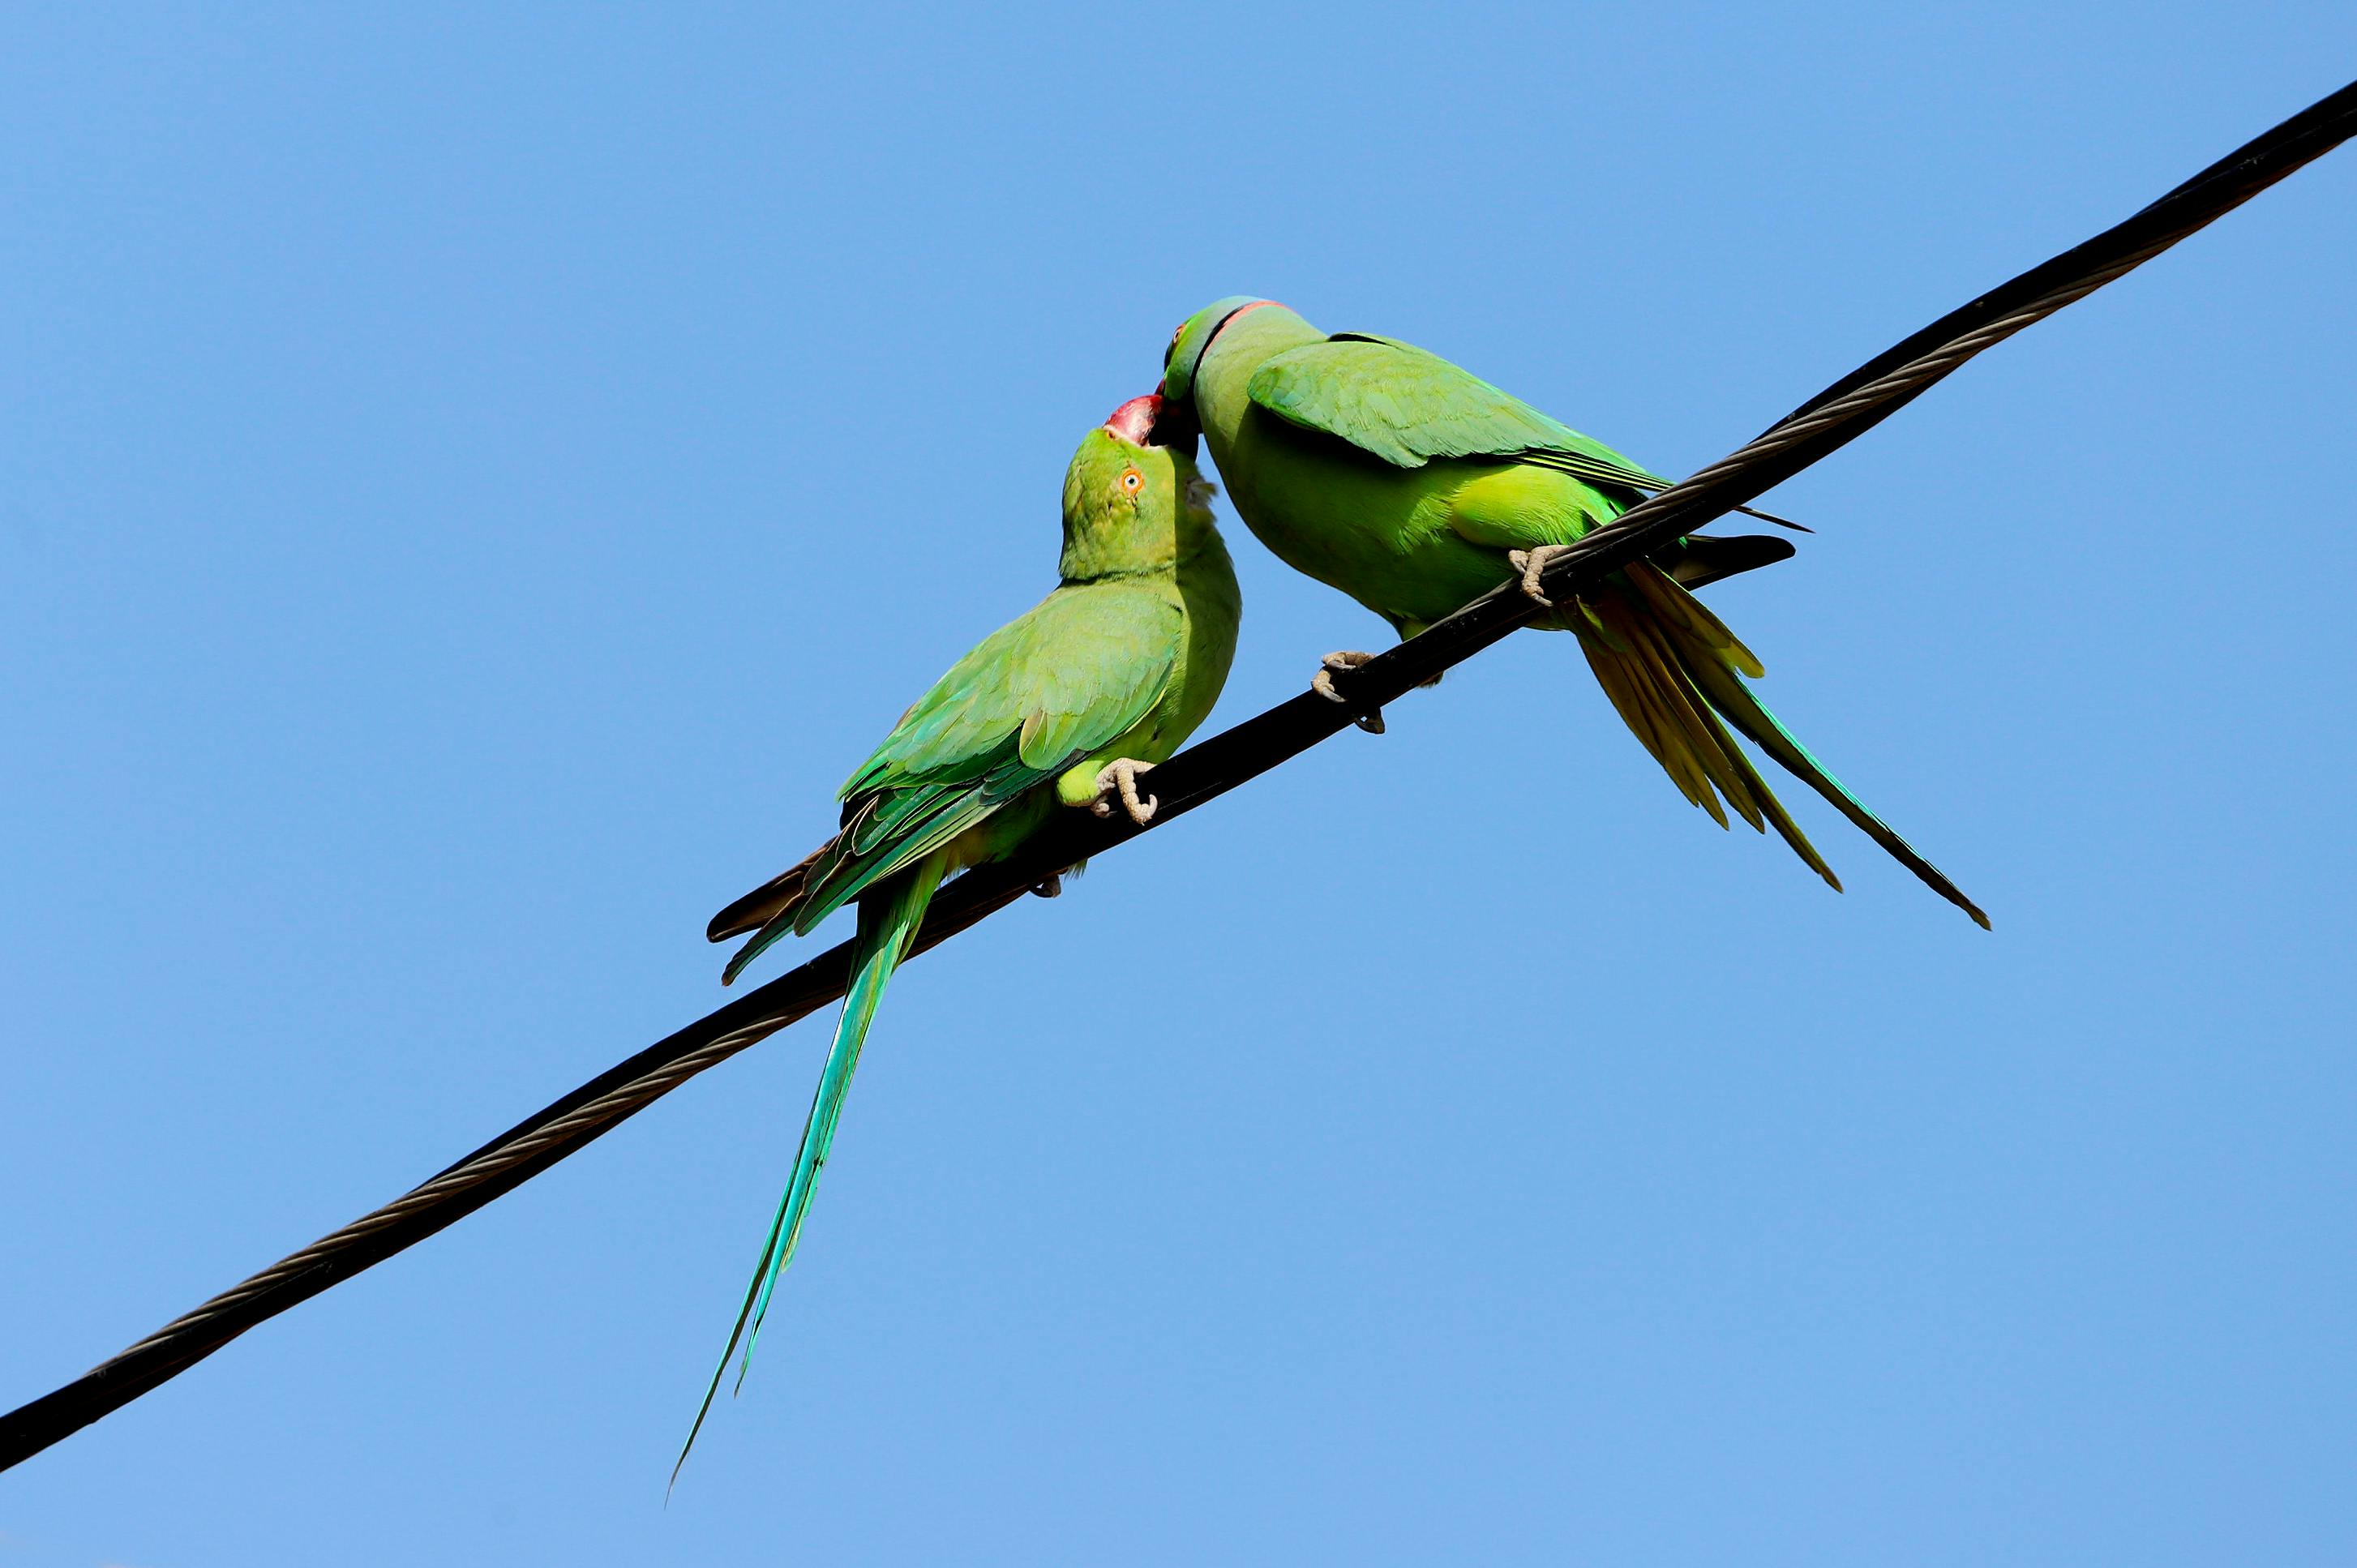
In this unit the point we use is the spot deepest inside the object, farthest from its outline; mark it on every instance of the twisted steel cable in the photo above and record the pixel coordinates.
(1833, 418)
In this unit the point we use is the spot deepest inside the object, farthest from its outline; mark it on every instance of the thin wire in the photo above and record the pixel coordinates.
(1836, 416)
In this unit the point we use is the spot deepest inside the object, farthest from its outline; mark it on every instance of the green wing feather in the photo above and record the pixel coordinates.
(1075, 673)
(1087, 662)
(1408, 406)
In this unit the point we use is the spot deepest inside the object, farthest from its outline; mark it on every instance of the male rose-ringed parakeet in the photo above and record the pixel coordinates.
(1065, 708)
(1415, 486)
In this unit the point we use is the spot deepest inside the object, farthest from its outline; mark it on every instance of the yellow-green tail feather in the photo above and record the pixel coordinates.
(1673, 670)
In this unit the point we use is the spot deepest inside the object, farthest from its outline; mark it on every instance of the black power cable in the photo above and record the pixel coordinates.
(1833, 417)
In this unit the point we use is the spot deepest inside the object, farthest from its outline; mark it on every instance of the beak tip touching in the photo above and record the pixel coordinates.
(1134, 421)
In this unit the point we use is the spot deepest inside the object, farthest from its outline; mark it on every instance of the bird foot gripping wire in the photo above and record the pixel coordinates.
(1119, 778)
(1323, 684)
(1531, 563)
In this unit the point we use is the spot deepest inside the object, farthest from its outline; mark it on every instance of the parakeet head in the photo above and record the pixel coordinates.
(1132, 501)
(1194, 337)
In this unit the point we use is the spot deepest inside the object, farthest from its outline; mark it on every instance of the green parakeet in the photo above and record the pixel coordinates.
(1415, 486)
(1065, 708)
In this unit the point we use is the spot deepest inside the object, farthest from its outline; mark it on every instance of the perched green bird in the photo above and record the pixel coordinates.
(1415, 486)
(1065, 708)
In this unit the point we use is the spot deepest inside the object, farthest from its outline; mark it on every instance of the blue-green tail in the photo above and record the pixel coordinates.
(888, 917)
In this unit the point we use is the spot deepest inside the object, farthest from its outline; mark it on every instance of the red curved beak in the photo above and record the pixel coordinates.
(1134, 421)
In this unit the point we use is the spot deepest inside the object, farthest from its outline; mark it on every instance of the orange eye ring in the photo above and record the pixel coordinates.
(1132, 482)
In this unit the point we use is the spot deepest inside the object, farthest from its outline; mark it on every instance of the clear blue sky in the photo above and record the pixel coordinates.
(476, 478)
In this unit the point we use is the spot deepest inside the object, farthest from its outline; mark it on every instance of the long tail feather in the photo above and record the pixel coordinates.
(1734, 700)
(889, 917)
(1678, 670)
(1646, 673)
(1706, 741)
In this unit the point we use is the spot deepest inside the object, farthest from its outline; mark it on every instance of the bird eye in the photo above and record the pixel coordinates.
(1131, 481)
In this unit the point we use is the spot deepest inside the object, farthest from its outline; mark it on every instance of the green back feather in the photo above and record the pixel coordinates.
(1408, 406)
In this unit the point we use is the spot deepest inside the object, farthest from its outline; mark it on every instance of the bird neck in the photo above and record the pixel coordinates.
(1096, 555)
(1223, 380)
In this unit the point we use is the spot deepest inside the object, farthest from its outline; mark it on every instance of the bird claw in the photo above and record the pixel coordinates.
(1323, 684)
(1530, 564)
(1049, 886)
(1118, 779)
